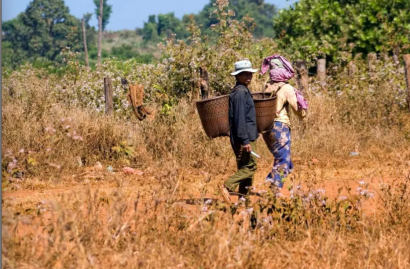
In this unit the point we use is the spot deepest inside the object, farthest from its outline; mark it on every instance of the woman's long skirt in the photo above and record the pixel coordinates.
(278, 142)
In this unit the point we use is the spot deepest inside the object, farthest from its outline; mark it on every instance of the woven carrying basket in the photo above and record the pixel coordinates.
(213, 113)
(265, 110)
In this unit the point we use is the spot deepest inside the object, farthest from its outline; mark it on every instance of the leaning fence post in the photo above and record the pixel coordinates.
(406, 59)
(321, 71)
(302, 76)
(109, 107)
(371, 62)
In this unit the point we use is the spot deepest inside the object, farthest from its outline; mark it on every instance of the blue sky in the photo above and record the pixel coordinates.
(127, 14)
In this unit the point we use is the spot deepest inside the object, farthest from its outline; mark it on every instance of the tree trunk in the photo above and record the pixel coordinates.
(100, 32)
(85, 43)
(109, 106)
(204, 82)
(302, 76)
(406, 59)
(321, 71)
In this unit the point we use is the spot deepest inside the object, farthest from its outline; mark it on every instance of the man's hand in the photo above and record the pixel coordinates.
(247, 148)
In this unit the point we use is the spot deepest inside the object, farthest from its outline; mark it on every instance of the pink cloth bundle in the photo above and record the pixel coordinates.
(300, 99)
(280, 68)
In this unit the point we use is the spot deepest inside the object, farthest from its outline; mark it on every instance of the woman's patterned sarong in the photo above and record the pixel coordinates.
(278, 141)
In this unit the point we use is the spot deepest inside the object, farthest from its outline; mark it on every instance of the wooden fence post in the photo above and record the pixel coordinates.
(302, 77)
(109, 106)
(204, 82)
(321, 71)
(396, 53)
(371, 62)
(352, 69)
(406, 59)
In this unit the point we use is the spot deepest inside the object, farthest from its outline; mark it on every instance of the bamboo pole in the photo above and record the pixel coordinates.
(100, 32)
(406, 59)
(109, 106)
(85, 43)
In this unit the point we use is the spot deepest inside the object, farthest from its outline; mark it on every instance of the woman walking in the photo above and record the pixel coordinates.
(278, 138)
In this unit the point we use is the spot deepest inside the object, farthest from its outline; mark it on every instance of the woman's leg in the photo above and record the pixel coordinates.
(279, 142)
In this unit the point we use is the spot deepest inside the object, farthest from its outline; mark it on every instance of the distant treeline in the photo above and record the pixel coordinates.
(163, 25)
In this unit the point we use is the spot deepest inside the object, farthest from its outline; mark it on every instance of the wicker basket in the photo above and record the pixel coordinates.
(265, 110)
(213, 113)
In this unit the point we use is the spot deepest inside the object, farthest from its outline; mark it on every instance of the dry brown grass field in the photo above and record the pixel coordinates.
(67, 202)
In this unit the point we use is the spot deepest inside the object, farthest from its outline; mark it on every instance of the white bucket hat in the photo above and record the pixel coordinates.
(243, 66)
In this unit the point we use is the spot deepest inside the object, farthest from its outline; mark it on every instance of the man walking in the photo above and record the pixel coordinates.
(243, 131)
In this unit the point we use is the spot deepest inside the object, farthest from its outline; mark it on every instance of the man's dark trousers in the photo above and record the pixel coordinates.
(246, 164)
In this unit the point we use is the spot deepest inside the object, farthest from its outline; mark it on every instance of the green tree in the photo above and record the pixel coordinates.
(107, 10)
(324, 28)
(41, 32)
(150, 29)
(167, 25)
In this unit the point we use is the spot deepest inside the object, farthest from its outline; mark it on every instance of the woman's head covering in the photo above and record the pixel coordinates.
(280, 68)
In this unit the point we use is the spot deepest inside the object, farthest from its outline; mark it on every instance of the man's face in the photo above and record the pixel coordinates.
(244, 78)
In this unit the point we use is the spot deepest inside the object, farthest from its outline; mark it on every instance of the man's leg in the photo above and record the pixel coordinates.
(246, 169)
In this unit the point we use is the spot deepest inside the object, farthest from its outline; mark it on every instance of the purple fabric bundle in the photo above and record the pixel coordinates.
(278, 72)
(302, 103)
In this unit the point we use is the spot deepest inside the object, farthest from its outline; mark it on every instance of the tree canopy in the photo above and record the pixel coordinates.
(40, 32)
(107, 10)
(163, 25)
(324, 28)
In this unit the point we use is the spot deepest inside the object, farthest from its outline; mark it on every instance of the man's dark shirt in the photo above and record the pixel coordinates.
(242, 116)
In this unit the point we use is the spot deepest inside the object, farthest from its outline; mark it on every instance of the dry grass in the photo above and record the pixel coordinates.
(117, 221)
(116, 230)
